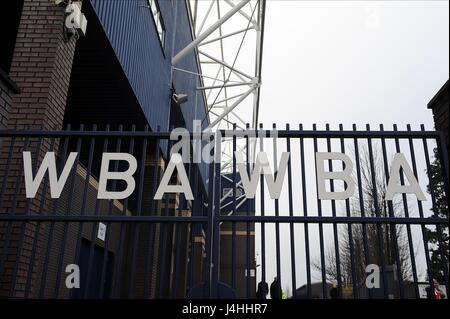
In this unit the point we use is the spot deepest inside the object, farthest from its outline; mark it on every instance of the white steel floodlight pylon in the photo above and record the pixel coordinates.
(227, 40)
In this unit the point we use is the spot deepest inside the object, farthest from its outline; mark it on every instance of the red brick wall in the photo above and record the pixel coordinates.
(440, 106)
(7, 90)
(41, 67)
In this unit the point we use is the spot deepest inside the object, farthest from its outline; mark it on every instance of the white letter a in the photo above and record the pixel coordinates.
(394, 186)
(164, 187)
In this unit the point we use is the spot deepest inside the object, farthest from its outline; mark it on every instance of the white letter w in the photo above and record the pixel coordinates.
(262, 164)
(49, 163)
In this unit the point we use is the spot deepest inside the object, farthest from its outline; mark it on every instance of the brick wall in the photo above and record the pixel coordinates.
(7, 90)
(41, 68)
(439, 104)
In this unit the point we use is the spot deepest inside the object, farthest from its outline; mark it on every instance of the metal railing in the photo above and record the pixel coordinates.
(138, 247)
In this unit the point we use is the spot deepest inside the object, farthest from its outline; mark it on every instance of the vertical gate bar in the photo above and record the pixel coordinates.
(23, 225)
(192, 227)
(37, 230)
(361, 204)
(105, 261)
(84, 200)
(10, 223)
(319, 210)
(139, 205)
(233, 224)
(7, 169)
(305, 213)
(18, 182)
(110, 208)
(377, 213)
(350, 231)
(96, 212)
(408, 226)
(433, 201)
(108, 225)
(216, 221)
(117, 284)
(420, 206)
(176, 263)
(177, 239)
(335, 230)
(152, 226)
(392, 226)
(443, 158)
(163, 231)
(13, 211)
(163, 244)
(247, 223)
(52, 225)
(66, 224)
(174, 249)
(291, 213)
(277, 212)
(263, 225)
(209, 227)
(192, 208)
(163, 238)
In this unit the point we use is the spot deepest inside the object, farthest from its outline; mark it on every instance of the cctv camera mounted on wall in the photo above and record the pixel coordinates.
(75, 22)
(62, 3)
(180, 98)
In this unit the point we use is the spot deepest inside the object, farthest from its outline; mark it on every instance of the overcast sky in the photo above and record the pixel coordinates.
(347, 62)
(353, 61)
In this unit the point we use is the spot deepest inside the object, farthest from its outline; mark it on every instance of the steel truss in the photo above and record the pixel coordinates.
(228, 41)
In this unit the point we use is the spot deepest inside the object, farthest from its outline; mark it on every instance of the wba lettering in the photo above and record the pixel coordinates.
(262, 167)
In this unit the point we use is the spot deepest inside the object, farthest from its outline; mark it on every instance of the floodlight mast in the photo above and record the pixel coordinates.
(228, 48)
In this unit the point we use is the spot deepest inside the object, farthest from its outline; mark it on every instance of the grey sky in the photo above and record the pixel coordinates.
(353, 61)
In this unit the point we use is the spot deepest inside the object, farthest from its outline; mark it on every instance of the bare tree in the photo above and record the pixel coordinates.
(359, 244)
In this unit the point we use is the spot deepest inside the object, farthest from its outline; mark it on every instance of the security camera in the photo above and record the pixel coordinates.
(76, 21)
(61, 3)
(180, 98)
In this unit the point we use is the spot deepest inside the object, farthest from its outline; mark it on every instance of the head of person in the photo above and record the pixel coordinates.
(435, 283)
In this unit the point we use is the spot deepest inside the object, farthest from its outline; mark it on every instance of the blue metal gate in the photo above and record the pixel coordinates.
(139, 247)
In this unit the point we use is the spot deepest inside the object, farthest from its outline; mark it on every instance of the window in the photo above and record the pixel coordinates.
(158, 20)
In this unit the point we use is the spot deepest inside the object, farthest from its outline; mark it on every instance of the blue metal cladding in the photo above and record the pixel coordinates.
(133, 36)
(131, 31)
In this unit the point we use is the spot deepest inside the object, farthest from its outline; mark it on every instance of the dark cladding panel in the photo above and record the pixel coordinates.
(131, 31)
(146, 63)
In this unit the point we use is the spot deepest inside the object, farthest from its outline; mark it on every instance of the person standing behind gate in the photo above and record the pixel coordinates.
(435, 292)
(334, 292)
(263, 290)
(275, 289)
